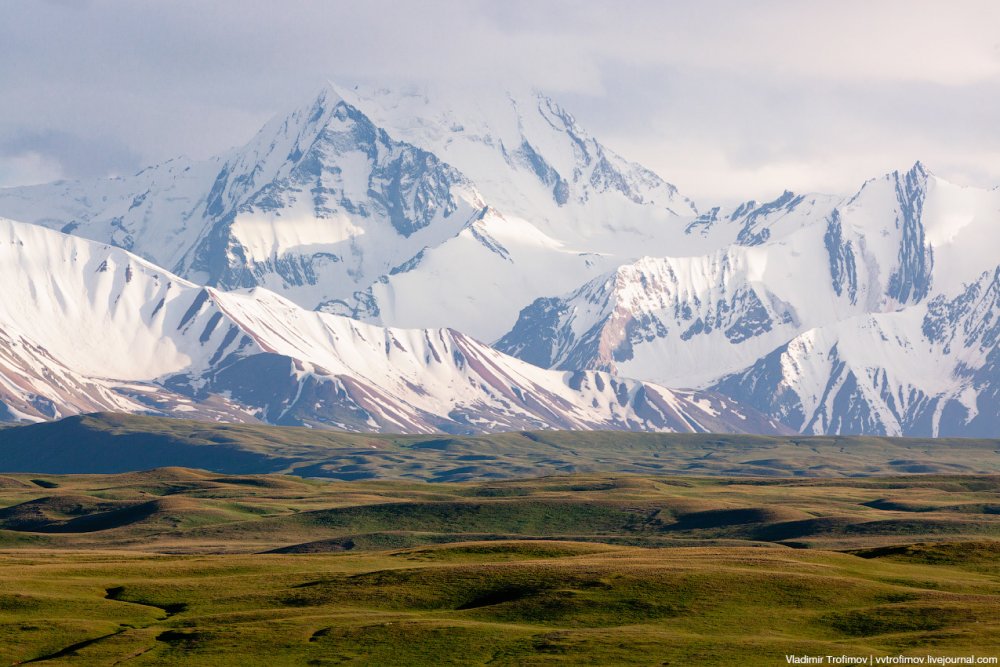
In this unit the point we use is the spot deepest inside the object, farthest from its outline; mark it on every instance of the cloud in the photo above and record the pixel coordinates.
(56, 154)
(28, 168)
(723, 97)
(850, 40)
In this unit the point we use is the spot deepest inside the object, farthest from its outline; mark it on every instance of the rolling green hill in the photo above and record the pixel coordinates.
(187, 567)
(508, 549)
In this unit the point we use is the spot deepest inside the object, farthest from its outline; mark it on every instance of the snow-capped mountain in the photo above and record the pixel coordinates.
(867, 314)
(317, 204)
(497, 215)
(529, 158)
(86, 326)
(363, 203)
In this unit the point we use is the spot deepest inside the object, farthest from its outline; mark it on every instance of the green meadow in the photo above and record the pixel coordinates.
(176, 566)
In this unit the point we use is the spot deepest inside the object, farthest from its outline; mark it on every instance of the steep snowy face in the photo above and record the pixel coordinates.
(363, 202)
(927, 235)
(900, 249)
(659, 313)
(87, 326)
(323, 202)
(318, 205)
(966, 330)
(100, 310)
(927, 370)
(686, 321)
(829, 315)
(562, 209)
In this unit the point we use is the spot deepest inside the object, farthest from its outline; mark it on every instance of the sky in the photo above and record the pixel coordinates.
(727, 100)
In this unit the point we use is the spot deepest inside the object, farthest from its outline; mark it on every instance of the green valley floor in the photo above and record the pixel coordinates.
(186, 567)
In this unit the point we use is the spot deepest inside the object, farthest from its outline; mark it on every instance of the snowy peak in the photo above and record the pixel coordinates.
(347, 205)
(890, 221)
(650, 313)
(595, 167)
(309, 148)
(423, 212)
(345, 201)
(276, 150)
(868, 314)
(488, 133)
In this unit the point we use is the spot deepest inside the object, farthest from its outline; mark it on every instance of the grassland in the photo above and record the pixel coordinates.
(188, 567)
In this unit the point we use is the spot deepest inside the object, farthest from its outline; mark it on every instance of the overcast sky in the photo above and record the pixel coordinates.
(727, 100)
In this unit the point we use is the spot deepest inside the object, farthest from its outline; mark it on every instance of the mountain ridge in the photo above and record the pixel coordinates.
(113, 331)
(783, 295)
(497, 215)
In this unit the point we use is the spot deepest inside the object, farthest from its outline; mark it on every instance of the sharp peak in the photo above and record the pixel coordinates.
(333, 92)
(330, 95)
(918, 170)
(317, 111)
(918, 175)
(329, 89)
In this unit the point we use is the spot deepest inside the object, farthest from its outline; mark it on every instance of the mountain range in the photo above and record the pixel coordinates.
(463, 261)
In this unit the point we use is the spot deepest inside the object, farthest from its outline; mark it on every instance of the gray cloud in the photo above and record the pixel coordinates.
(72, 156)
(727, 99)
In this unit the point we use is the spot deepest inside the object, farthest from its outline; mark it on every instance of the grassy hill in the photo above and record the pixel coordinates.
(509, 549)
(181, 566)
(109, 443)
(177, 510)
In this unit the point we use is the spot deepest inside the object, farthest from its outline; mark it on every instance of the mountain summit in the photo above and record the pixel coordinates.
(495, 214)
(830, 314)
(334, 204)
